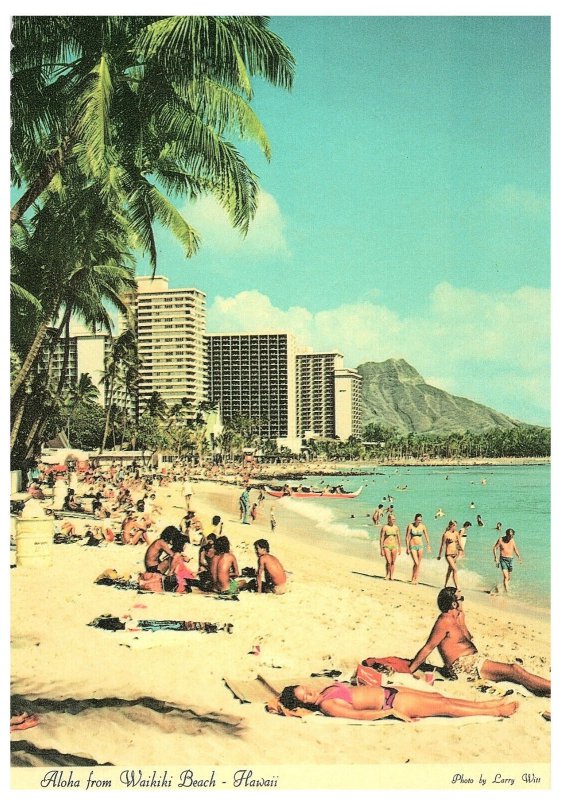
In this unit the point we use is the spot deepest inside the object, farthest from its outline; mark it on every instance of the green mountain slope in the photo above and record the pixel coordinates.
(395, 395)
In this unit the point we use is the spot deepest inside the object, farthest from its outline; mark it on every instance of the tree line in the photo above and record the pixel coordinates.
(182, 431)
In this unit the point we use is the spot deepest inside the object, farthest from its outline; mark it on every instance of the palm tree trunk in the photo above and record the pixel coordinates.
(37, 427)
(17, 421)
(109, 403)
(66, 354)
(31, 357)
(50, 169)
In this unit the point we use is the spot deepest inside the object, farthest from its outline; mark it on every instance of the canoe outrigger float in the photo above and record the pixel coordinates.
(332, 494)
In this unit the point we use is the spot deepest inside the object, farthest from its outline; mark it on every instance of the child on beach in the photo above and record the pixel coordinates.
(273, 521)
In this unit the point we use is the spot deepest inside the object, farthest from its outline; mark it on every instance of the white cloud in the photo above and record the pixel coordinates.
(266, 231)
(491, 347)
(512, 197)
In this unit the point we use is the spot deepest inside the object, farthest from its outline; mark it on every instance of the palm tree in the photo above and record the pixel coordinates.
(120, 358)
(75, 260)
(156, 407)
(142, 107)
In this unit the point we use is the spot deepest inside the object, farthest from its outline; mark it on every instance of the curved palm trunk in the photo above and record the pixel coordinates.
(35, 431)
(51, 168)
(17, 422)
(30, 359)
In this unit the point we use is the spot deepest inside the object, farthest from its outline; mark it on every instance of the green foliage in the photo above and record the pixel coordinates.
(150, 434)
(136, 103)
(517, 442)
(85, 425)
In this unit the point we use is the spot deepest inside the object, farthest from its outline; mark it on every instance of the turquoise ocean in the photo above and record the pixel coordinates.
(516, 496)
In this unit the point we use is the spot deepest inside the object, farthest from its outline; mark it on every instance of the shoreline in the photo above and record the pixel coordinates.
(338, 610)
(295, 471)
(297, 524)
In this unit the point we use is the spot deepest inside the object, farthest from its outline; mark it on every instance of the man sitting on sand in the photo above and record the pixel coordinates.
(270, 568)
(133, 529)
(159, 554)
(454, 642)
(224, 569)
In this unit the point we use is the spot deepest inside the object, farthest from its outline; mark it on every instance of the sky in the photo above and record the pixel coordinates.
(405, 210)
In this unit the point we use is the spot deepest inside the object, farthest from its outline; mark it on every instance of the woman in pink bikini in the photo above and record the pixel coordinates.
(378, 702)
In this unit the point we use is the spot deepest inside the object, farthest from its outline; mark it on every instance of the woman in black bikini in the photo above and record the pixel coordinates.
(378, 702)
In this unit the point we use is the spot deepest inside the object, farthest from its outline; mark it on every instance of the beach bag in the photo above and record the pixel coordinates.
(369, 672)
(367, 676)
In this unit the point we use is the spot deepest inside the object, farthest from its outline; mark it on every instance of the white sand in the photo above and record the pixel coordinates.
(331, 618)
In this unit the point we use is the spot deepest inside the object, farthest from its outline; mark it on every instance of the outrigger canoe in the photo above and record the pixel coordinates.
(309, 495)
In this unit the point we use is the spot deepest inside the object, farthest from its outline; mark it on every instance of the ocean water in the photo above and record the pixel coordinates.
(516, 496)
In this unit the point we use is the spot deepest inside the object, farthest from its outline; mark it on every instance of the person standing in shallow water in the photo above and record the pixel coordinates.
(390, 545)
(504, 551)
(463, 534)
(452, 547)
(414, 544)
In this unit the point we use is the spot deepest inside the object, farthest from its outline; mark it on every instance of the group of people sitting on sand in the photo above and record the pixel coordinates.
(172, 564)
(460, 657)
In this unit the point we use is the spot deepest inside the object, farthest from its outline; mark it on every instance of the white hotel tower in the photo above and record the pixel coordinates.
(170, 325)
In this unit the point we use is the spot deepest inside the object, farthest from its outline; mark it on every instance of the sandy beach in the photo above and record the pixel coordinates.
(138, 699)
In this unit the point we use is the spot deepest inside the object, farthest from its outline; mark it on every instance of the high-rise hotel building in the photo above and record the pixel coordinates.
(348, 403)
(170, 326)
(87, 353)
(329, 399)
(315, 394)
(254, 375)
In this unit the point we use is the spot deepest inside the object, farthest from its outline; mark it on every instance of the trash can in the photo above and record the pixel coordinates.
(34, 542)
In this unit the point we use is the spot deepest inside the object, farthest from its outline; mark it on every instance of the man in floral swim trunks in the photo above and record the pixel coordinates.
(453, 640)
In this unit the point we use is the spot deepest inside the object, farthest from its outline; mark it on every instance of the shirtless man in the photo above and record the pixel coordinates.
(459, 654)
(377, 514)
(159, 554)
(224, 569)
(132, 529)
(270, 568)
(504, 551)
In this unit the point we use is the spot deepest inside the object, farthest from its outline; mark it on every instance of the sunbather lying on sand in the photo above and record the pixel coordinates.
(378, 702)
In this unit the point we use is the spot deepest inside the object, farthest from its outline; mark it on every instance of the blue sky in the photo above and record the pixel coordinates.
(405, 211)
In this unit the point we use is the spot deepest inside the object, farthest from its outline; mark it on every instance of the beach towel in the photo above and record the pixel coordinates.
(266, 687)
(109, 623)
